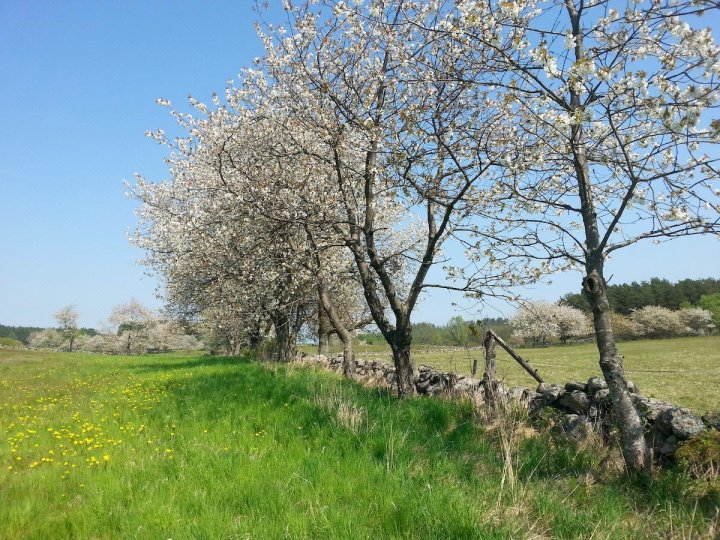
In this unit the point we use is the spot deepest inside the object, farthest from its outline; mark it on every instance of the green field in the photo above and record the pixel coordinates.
(685, 371)
(178, 446)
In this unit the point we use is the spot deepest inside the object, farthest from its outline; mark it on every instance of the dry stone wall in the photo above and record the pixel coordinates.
(584, 406)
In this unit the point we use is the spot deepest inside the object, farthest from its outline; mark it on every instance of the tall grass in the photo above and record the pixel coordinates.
(186, 447)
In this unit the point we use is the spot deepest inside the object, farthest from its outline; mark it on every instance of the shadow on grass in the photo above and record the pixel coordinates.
(203, 361)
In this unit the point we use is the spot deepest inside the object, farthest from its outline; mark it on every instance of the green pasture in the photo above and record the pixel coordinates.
(685, 371)
(178, 446)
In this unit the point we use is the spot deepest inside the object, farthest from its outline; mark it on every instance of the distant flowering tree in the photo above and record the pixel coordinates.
(657, 322)
(133, 322)
(67, 322)
(46, 339)
(696, 321)
(623, 326)
(572, 323)
(539, 322)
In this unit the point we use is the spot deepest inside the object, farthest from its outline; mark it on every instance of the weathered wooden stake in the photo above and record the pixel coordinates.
(489, 378)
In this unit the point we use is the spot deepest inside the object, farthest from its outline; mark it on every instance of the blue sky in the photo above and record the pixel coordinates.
(79, 83)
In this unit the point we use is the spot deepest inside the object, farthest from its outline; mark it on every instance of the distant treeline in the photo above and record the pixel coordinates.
(626, 297)
(457, 332)
(22, 333)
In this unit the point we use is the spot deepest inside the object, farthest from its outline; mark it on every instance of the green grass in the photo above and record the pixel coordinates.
(176, 446)
(684, 371)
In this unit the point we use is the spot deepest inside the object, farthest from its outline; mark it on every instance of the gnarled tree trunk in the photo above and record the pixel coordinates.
(285, 338)
(632, 436)
(323, 331)
(343, 333)
(400, 344)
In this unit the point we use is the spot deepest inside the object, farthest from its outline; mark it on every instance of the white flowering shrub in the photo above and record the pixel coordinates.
(697, 321)
(572, 323)
(46, 339)
(657, 322)
(541, 322)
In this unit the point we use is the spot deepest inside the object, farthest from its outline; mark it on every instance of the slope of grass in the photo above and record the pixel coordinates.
(685, 371)
(189, 447)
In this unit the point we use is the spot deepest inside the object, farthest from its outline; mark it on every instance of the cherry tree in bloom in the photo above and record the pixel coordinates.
(235, 234)
(697, 321)
(67, 321)
(133, 322)
(539, 322)
(615, 143)
(398, 136)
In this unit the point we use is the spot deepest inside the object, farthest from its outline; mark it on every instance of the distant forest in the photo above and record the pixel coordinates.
(657, 292)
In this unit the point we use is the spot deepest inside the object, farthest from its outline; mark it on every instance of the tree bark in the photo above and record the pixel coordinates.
(400, 344)
(255, 341)
(323, 331)
(284, 338)
(632, 432)
(343, 333)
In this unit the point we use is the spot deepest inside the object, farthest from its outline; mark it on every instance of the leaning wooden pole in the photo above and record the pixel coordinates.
(519, 359)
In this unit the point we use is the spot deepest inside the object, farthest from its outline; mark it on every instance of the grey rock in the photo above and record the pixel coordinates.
(550, 392)
(602, 395)
(652, 409)
(576, 401)
(517, 393)
(576, 427)
(467, 386)
(596, 384)
(668, 447)
(712, 420)
(575, 385)
(683, 423)
(593, 411)
(632, 388)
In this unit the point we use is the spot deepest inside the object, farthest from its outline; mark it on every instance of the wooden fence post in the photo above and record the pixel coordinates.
(489, 377)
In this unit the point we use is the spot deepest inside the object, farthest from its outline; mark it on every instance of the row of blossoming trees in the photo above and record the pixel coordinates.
(538, 323)
(131, 328)
(491, 141)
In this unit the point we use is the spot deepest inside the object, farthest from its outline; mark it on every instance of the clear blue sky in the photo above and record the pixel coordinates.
(78, 90)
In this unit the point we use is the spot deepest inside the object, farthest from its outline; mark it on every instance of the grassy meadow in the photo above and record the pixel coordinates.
(178, 446)
(685, 371)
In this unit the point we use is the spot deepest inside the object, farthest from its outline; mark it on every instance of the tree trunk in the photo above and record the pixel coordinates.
(632, 433)
(404, 371)
(343, 333)
(254, 341)
(323, 331)
(284, 338)
(348, 359)
(632, 440)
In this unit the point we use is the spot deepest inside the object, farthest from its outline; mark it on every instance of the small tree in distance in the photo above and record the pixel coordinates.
(133, 321)
(67, 322)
